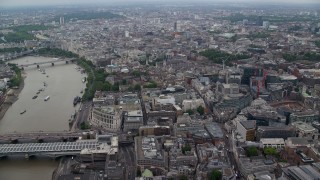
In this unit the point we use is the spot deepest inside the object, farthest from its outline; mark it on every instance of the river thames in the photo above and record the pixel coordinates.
(63, 83)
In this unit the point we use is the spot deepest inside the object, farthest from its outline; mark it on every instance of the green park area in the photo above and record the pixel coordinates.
(21, 33)
(218, 56)
(17, 79)
(11, 50)
(309, 56)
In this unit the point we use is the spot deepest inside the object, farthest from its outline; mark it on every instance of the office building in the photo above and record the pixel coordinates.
(272, 142)
(177, 26)
(132, 120)
(149, 152)
(61, 20)
(107, 117)
(275, 132)
(305, 130)
(247, 129)
(300, 172)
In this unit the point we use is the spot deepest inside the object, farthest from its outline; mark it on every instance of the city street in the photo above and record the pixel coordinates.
(82, 115)
(129, 159)
(229, 148)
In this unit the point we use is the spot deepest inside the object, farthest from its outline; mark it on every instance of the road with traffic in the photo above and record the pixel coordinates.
(129, 158)
(82, 115)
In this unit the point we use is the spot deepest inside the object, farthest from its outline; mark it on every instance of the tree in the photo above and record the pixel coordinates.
(137, 87)
(218, 57)
(317, 43)
(251, 151)
(183, 177)
(151, 84)
(115, 87)
(16, 80)
(136, 73)
(289, 57)
(270, 151)
(215, 175)
(190, 111)
(200, 110)
(84, 126)
(186, 148)
(124, 82)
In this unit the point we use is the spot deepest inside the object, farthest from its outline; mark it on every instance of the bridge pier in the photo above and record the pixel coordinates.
(14, 141)
(52, 64)
(38, 66)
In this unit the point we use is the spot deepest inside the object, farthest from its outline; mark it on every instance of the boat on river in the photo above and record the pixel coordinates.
(84, 79)
(22, 112)
(47, 98)
(76, 100)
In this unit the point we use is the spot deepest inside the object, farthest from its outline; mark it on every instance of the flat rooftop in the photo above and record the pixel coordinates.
(248, 124)
(272, 140)
(303, 126)
(214, 129)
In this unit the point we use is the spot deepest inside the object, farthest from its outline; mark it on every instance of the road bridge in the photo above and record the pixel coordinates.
(47, 62)
(55, 149)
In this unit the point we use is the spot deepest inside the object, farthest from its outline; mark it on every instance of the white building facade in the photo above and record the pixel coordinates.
(107, 117)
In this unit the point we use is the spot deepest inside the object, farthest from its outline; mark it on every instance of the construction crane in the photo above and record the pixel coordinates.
(223, 62)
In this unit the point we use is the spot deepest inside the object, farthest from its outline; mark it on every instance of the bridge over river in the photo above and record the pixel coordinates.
(55, 149)
(54, 60)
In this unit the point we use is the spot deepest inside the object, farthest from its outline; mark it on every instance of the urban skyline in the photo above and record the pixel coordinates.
(176, 91)
(27, 3)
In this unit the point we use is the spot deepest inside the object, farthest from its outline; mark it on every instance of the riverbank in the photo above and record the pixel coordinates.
(12, 98)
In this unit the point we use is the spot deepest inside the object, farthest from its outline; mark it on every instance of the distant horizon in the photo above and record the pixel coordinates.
(39, 3)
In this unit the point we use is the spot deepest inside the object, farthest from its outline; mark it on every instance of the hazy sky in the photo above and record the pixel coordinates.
(4, 3)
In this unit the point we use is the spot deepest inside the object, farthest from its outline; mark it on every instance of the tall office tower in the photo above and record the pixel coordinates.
(61, 20)
(177, 26)
(259, 21)
(266, 24)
